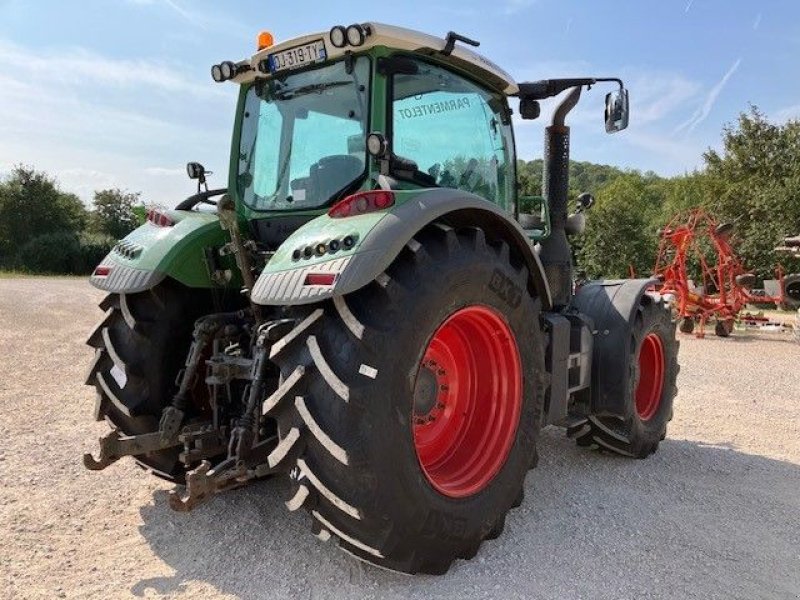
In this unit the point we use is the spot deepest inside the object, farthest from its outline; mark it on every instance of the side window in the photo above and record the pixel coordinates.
(453, 130)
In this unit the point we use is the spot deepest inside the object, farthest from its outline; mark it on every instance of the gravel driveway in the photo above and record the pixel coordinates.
(714, 514)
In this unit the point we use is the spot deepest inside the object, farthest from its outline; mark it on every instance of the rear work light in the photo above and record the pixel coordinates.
(158, 217)
(362, 203)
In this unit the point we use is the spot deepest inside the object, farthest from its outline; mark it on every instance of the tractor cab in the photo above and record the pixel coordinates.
(434, 114)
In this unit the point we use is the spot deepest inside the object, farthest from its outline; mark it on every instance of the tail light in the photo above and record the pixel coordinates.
(159, 217)
(102, 271)
(362, 203)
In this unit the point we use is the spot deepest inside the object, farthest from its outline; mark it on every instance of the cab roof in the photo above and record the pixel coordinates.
(399, 38)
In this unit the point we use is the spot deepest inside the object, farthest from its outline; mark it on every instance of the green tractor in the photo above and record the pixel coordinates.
(365, 310)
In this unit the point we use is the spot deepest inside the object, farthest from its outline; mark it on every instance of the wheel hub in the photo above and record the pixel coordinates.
(427, 390)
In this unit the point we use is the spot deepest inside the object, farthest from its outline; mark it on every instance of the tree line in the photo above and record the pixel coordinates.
(753, 182)
(46, 230)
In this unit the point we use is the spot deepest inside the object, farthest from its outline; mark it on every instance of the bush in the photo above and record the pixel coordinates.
(63, 253)
(58, 252)
(94, 247)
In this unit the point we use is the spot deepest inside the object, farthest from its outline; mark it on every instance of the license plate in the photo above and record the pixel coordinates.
(298, 57)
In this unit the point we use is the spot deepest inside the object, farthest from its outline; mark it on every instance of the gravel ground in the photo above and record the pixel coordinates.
(714, 514)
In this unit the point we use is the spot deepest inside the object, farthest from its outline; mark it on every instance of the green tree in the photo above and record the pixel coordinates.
(621, 228)
(31, 205)
(115, 213)
(755, 184)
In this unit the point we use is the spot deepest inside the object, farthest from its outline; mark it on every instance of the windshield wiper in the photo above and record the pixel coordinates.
(307, 89)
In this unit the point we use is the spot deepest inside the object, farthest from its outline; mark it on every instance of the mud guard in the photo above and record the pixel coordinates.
(284, 281)
(611, 305)
(152, 253)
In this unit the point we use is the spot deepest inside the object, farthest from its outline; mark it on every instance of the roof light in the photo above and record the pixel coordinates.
(320, 279)
(362, 203)
(265, 40)
(159, 218)
(338, 35)
(356, 35)
(225, 70)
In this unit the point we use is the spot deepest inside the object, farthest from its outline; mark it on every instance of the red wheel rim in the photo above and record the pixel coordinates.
(651, 377)
(467, 401)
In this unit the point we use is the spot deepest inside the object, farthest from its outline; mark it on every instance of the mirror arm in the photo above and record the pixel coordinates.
(547, 88)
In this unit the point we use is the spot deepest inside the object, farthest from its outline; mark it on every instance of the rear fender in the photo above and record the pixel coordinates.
(612, 307)
(379, 238)
(152, 253)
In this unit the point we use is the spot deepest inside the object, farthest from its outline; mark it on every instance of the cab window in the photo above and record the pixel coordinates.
(455, 131)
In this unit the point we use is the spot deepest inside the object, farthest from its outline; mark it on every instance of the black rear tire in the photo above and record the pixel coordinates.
(345, 408)
(638, 436)
(140, 345)
(791, 286)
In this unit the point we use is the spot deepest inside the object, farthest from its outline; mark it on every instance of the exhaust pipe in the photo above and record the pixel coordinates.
(555, 253)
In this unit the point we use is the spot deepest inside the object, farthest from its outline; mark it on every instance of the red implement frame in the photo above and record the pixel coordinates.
(725, 286)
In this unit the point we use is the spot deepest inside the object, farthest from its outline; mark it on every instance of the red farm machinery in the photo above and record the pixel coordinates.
(699, 269)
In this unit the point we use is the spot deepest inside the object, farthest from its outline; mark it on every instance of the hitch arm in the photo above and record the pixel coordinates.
(115, 445)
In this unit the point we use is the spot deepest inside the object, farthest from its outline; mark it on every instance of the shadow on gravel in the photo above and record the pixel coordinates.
(691, 521)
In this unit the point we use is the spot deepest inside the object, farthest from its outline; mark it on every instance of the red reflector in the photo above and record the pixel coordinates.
(157, 217)
(320, 279)
(362, 203)
(102, 271)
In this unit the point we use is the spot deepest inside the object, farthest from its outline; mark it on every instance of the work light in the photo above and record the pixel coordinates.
(338, 36)
(355, 35)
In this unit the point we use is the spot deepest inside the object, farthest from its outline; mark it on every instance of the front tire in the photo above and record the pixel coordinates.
(650, 392)
(368, 381)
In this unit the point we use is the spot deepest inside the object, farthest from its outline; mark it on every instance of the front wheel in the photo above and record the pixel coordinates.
(650, 392)
(409, 410)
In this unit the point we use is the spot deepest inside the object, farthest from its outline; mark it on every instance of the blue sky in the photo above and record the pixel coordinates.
(117, 93)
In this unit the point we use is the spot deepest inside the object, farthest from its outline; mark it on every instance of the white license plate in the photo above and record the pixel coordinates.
(298, 57)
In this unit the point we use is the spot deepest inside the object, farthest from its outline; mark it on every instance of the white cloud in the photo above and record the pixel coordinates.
(193, 18)
(78, 67)
(96, 122)
(787, 113)
(656, 96)
(704, 110)
(513, 7)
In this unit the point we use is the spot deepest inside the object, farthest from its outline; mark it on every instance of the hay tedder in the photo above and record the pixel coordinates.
(695, 243)
(364, 311)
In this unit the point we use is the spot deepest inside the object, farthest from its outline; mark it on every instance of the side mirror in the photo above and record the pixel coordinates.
(196, 171)
(529, 109)
(617, 111)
